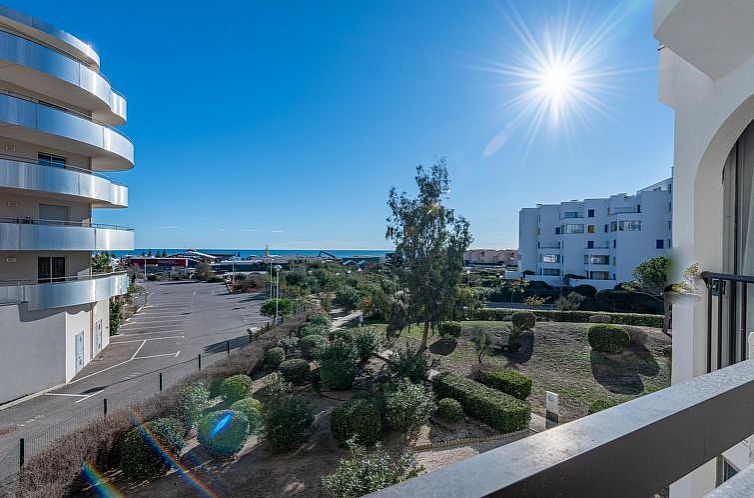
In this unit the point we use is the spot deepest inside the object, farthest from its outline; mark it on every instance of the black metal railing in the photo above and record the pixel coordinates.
(727, 308)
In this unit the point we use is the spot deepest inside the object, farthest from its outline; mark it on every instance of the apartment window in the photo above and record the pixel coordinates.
(590, 229)
(670, 225)
(670, 206)
(574, 228)
(539, 244)
(53, 212)
(590, 213)
(50, 269)
(615, 261)
(50, 160)
(660, 244)
(613, 226)
(557, 230)
(549, 258)
(596, 259)
(553, 272)
(599, 275)
(571, 214)
(539, 231)
(607, 228)
(590, 244)
(615, 244)
(638, 208)
(670, 243)
(629, 226)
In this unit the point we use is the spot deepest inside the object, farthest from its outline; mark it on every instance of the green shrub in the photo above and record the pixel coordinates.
(356, 418)
(215, 279)
(191, 400)
(311, 345)
(409, 364)
(214, 386)
(367, 343)
(667, 351)
(252, 410)
(507, 381)
(223, 433)
(337, 365)
(138, 458)
(289, 343)
(408, 406)
(524, 320)
(450, 410)
(295, 371)
(611, 339)
(322, 319)
(235, 387)
(152, 278)
(600, 318)
(311, 328)
(345, 335)
(602, 404)
(348, 297)
(286, 421)
(366, 472)
(274, 357)
(450, 330)
(637, 319)
(497, 409)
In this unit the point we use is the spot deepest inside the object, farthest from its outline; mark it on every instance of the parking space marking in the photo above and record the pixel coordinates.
(150, 333)
(175, 355)
(153, 339)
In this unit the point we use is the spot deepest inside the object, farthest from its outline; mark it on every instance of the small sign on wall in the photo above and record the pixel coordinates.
(552, 406)
(10, 259)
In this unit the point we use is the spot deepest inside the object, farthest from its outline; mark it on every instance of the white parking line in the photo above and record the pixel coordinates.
(138, 349)
(89, 396)
(150, 333)
(152, 327)
(153, 339)
(159, 355)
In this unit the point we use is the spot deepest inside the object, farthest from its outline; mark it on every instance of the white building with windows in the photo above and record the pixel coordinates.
(597, 242)
(57, 119)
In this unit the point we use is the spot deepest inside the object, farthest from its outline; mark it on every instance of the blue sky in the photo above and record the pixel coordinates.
(285, 123)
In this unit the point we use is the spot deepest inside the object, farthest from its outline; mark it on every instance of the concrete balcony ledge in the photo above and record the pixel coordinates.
(634, 449)
(46, 235)
(72, 291)
(16, 173)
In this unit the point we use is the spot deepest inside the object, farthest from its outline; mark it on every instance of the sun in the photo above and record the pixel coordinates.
(556, 81)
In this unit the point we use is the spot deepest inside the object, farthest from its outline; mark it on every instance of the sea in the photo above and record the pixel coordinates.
(245, 253)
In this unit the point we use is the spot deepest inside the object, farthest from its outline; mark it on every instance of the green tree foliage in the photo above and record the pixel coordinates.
(430, 241)
(284, 307)
(116, 315)
(101, 263)
(651, 278)
(483, 341)
(571, 302)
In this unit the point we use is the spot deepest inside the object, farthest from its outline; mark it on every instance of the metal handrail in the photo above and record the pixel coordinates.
(85, 224)
(6, 157)
(78, 114)
(625, 210)
(58, 280)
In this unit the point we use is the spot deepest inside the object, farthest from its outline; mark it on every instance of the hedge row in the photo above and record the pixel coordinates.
(498, 314)
(497, 409)
(56, 471)
(508, 381)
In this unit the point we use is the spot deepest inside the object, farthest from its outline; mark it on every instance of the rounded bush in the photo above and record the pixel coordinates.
(223, 433)
(235, 387)
(191, 400)
(310, 345)
(138, 458)
(450, 330)
(337, 366)
(367, 343)
(310, 328)
(295, 371)
(286, 422)
(320, 319)
(252, 409)
(586, 290)
(599, 318)
(602, 404)
(356, 418)
(274, 357)
(611, 339)
(450, 410)
(344, 335)
(524, 320)
(408, 406)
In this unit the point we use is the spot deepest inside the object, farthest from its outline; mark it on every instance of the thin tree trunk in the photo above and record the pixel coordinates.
(425, 337)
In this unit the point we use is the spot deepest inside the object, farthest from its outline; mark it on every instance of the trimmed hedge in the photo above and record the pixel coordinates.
(450, 410)
(223, 433)
(356, 417)
(295, 371)
(524, 320)
(611, 339)
(600, 318)
(138, 459)
(507, 381)
(497, 409)
(310, 345)
(274, 357)
(500, 314)
(450, 330)
(235, 387)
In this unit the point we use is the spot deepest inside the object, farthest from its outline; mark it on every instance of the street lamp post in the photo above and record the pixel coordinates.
(277, 291)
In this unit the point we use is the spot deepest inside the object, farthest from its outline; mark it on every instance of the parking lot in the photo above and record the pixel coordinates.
(181, 321)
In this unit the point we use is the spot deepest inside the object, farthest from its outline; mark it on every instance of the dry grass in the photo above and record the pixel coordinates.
(57, 470)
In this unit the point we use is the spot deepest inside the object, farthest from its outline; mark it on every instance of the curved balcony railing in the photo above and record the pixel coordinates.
(19, 173)
(27, 112)
(88, 88)
(29, 234)
(68, 291)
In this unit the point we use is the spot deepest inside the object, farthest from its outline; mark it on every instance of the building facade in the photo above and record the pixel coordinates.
(597, 242)
(58, 115)
(504, 257)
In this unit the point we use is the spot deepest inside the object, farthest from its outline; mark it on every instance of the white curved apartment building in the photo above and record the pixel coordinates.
(58, 115)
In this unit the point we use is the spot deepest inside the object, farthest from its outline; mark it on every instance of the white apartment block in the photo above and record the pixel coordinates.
(597, 242)
(504, 257)
(57, 119)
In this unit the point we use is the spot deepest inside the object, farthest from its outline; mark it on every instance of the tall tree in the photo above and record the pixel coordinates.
(651, 278)
(430, 241)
